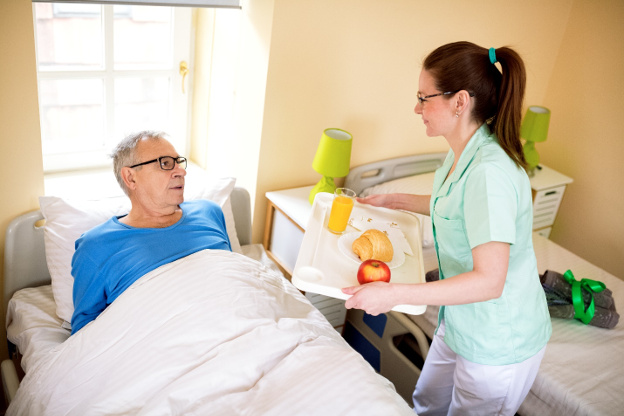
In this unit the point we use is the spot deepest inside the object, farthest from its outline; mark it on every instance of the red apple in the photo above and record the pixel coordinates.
(372, 270)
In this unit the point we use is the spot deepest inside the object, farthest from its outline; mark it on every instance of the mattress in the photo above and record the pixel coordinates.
(581, 373)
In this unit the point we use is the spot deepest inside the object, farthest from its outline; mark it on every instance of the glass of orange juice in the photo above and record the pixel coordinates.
(342, 205)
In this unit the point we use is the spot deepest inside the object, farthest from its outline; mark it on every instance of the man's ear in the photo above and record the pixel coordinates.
(128, 176)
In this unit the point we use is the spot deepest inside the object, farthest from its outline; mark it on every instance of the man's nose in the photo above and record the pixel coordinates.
(179, 170)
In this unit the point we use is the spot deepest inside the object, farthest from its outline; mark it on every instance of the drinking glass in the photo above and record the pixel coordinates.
(342, 205)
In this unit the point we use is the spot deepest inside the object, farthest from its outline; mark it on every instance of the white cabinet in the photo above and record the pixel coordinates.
(548, 188)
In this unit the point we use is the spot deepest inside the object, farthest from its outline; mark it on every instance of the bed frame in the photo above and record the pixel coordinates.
(364, 176)
(551, 393)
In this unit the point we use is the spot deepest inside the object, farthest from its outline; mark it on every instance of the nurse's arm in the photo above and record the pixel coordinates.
(485, 282)
(408, 202)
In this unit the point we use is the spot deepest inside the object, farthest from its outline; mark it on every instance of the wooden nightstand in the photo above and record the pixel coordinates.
(287, 217)
(548, 187)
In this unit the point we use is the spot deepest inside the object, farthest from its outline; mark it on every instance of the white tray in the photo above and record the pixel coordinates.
(321, 267)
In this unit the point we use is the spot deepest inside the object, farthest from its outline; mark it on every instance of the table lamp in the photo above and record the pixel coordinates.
(332, 160)
(534, 129)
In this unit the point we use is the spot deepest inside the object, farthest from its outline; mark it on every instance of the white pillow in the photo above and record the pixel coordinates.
(66, 220)
(200, 186)
(421, 184)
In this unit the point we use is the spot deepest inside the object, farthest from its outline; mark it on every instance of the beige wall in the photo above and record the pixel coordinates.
(585, 140)
(354, 64)
(20, 146)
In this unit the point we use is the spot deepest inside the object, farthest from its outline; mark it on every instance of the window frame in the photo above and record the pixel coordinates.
(179, 103)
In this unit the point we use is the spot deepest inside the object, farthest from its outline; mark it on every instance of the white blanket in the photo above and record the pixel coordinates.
(215, 333)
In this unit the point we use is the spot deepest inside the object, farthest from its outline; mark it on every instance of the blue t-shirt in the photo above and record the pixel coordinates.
(112, 256)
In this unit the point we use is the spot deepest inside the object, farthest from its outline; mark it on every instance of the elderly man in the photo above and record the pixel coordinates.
(160, 227)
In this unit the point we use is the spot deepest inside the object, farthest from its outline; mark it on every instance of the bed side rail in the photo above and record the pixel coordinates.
(24, 255)
(367, 175)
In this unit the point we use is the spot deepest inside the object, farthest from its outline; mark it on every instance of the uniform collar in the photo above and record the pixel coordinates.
(478, 139)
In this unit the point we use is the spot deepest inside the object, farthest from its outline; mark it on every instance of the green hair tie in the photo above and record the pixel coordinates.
(493, 59)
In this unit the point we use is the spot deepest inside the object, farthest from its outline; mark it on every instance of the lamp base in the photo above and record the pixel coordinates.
(326, 184)
(530, 155)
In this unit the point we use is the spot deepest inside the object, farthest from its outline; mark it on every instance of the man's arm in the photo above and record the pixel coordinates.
(89, 293)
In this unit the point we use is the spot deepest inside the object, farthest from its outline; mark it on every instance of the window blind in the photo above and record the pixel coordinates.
(178, 3)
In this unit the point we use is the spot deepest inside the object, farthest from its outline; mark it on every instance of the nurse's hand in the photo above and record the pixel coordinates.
(373, 298)
(377, 200)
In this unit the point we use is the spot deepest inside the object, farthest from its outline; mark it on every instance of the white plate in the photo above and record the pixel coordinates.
(345, 243)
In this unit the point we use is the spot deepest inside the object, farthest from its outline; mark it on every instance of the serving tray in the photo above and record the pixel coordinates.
(322, 268)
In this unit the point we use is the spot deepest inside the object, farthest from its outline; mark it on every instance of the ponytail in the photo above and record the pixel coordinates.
(498, 96)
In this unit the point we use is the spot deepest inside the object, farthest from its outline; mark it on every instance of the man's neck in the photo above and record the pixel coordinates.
(151, 219)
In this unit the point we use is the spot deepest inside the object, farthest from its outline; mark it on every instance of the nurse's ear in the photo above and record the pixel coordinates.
(462, 101)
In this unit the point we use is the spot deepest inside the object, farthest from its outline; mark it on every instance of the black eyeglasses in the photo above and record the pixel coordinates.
(424, 99)
(166, 162)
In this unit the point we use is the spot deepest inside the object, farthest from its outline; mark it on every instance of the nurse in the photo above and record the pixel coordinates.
(493, 323)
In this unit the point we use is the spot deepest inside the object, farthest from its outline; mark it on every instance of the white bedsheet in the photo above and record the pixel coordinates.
(582, 373)
(213, 333)
(32, 324)
(34, 327)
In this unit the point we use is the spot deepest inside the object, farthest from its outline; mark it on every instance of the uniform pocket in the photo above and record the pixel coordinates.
(453, 248)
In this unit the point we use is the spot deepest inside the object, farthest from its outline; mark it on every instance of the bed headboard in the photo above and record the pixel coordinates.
(364, 176)
(24, 251)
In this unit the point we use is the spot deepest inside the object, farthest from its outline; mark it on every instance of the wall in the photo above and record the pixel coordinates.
(22, 167)
(585, 139)
(354, 64)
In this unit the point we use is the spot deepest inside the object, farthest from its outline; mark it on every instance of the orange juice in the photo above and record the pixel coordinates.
(340, 213)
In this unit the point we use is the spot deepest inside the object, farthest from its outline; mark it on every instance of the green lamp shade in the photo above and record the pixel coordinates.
(332, 159)
(333, 156)
(535, 124)
(534, 129)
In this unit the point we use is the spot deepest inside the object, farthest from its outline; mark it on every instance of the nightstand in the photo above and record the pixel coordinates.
(548, 187)
(287, 217)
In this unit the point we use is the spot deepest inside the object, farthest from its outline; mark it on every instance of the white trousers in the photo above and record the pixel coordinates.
(452, 385)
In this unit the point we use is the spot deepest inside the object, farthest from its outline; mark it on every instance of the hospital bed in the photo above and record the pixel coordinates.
(582, 372)
(216, 332)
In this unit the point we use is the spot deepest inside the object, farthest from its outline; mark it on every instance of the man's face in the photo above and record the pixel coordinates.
(157, 189)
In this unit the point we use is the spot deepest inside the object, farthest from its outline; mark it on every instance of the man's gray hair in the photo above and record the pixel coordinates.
(124, 154)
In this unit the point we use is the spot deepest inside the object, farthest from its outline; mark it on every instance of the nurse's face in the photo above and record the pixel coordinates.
(438, 113)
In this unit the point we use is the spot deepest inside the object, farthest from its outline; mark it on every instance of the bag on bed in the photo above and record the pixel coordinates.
(568, 302)
(558, 291)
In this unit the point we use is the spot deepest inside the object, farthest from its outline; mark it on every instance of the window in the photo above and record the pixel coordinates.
(105, 71)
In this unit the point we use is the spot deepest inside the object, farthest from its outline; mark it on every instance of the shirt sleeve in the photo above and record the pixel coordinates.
(88, 292)
(490, 206)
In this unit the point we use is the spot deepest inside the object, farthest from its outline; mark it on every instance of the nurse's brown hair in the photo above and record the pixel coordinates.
(497, 96)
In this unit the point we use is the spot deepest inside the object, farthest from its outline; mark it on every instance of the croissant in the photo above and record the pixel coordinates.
(373, 244)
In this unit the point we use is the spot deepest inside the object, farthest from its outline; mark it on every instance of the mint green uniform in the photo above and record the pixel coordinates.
(488, 198)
